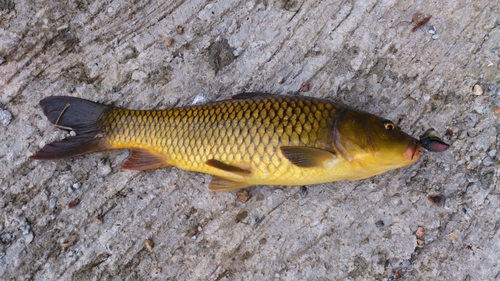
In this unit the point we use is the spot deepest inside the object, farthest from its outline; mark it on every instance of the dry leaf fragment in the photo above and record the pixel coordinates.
(74, 203)
(179, 29)
(97, 219)
(420, 232)
(437, 200)
(149, 244)
(242, 196)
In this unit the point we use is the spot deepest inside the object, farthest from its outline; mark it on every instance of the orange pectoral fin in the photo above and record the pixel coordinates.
(304, 156)
(140, 159)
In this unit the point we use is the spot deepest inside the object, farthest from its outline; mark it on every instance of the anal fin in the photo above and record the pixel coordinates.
(140, 159)
(221, 184)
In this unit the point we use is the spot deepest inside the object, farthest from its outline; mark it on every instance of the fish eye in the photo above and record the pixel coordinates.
(389, 126)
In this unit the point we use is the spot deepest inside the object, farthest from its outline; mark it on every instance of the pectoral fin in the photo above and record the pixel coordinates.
(307, 157)
(140, 159)
(221, 184)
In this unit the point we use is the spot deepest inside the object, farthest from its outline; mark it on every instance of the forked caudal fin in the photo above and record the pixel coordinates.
(81, 116)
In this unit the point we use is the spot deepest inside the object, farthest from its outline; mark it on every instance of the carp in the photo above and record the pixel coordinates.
(250, 139)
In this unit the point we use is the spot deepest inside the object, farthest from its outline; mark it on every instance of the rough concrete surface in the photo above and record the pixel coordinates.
(160, 54)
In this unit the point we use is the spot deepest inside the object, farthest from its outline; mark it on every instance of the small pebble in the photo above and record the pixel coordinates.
(2, 60)
(74, 203)
(2, 254)
(432, 29)
(25, 228)
(179, 29)
(437, 200)
(242, 196)
(70, 89)
(149, 244)
(263, 241)
(97, 219)
(28, 238)
(76, 185)
(492, 153)
(453, 236)
(255, 220)
(241, 216)
(52, 202)
(435, 36)
(417, 17)
(73, 237)
(493, 87)
(305, 87)
(477, 90)
(379, 223)
(316, 49)
(5, 117)
(487, 161)
(238, 51)
(420, 242)
(200, 98)
(303, 191)
(70, 242)
(420, 232)
(496, 110)
(104, 169)
(170, 41)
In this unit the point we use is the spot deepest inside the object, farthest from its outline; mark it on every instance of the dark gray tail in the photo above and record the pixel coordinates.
(83, 117)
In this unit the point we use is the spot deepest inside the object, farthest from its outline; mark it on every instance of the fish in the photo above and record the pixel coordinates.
(248, 139)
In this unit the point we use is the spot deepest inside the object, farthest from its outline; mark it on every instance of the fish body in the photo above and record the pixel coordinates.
(251, 139)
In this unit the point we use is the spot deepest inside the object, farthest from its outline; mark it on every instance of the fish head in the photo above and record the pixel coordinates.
(375, 144)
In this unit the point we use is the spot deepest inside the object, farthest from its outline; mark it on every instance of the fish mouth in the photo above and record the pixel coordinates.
(412, 152)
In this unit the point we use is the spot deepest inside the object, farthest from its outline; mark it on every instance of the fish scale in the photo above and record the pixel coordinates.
(242, 133)
(250, 139)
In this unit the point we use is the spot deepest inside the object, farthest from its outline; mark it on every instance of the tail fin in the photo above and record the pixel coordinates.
(81, 116)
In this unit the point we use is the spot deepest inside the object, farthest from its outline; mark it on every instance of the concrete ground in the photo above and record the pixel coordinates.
(160, 54)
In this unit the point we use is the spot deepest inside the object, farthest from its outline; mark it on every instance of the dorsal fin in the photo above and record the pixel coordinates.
(252, 95)
(304, 156)
(141, 159)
